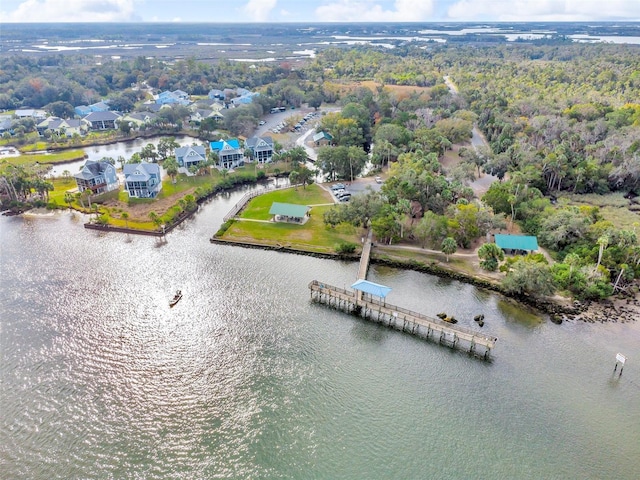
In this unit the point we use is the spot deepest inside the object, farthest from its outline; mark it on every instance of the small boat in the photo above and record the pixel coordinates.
(176, 298)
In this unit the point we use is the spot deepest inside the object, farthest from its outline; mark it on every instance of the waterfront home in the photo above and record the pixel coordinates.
(102, 120)
(190, 156)
(139, 119)
(142, 180)
(98, 176)
(261, 148)
(322, 139)
(34, 113)
(230, 155)
(66, 127)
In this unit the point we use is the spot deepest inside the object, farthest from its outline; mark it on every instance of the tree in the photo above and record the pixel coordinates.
(167, 147)
(490, 255)
(449, 246)
(529, 278)
(294, 178)
(171, 167)
(431, 229)
(125, 217)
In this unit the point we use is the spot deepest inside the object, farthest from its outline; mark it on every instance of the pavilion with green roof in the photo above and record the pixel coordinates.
(517, 242)
(289, 212)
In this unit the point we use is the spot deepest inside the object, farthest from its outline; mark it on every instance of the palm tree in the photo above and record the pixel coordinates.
(449, 247)
(603, 242)
(171, 167)
(68, 198)
(490, 255)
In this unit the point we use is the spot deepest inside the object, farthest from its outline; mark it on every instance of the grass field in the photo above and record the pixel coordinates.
(49, 158)
(613, 207)
(313, 236)
(259, 207)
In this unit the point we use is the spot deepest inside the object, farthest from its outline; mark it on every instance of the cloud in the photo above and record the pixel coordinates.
(544, 10)
(373, 11)
(74, 11)
(259, 10)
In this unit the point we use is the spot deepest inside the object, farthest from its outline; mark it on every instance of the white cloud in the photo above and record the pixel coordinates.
(544, 10)
(259, 10)
(372, 11)
(74, 11)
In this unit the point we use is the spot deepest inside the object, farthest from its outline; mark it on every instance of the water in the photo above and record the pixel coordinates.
(245, 378)
(115, 150)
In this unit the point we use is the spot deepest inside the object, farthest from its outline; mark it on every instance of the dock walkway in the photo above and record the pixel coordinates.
(400, 318)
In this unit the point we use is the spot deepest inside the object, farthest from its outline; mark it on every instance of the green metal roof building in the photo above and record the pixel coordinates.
(289, 210)
(517, 242)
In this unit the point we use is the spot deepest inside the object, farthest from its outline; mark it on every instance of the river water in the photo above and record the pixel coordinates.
(246, 378)
(115, 150)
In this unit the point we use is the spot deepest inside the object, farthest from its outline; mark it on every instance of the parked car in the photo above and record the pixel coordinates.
(337, 186)
(345, 198)
(262, 122)
(378, 180)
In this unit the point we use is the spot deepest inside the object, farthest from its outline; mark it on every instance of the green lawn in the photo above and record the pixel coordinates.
(313, 236)
(67, 156)
(259, 207)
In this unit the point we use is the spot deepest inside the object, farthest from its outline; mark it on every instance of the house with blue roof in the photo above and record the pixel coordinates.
(177, 96)
(230, 155)
(99, 177)
(142, 180)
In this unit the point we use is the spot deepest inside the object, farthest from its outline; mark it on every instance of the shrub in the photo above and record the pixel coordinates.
(223, 228)
(346, 247)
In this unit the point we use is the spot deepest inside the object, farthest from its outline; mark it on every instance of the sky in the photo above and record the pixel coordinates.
(312, 11)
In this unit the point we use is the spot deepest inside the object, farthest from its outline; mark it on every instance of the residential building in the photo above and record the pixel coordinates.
(261, 148)
(216, 94)
(34, 113)
(84, 110)
(177, 96)
(100, 177)
(230, 154)
(67, 127)
(103, 120)
(142, 180)
(139, 119)
(188, 156)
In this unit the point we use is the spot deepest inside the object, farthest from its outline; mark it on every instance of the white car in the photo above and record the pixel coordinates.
(378, 180)
(262, 122)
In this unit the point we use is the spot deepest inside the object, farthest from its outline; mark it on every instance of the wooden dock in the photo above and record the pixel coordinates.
(402, 319)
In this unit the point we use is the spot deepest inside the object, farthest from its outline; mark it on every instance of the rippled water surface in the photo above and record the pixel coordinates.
(246, 378)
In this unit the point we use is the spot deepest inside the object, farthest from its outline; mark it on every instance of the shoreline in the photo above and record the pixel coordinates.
(613, 310)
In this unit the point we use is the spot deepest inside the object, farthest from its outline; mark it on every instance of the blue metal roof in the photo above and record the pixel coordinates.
(371, 288)
(517, 242)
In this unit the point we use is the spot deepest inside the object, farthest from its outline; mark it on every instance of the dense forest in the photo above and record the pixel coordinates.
(560, 119)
